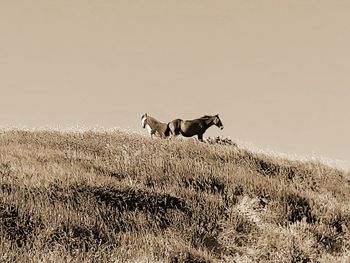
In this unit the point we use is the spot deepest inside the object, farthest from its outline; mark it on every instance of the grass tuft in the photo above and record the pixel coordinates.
(114, 196)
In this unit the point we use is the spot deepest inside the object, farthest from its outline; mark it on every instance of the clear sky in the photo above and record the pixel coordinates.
(277, 72)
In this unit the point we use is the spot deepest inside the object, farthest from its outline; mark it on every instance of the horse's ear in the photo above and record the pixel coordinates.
(217, 115)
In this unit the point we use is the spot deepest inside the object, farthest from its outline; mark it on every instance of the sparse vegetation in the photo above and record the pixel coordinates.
(119, 197)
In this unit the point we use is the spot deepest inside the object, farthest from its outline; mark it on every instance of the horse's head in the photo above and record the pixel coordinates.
(218, 122)
(143, 120)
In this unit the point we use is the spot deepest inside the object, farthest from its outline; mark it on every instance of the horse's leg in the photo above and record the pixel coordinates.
(169, 133)
(173, 135)
(173, 129)
(178, 128)
(200, 137)
(162, 135)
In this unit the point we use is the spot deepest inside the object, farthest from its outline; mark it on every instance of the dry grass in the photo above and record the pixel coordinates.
(119, 197)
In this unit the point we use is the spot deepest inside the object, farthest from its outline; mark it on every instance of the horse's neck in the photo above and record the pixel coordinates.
(209, 122)
(152, 122)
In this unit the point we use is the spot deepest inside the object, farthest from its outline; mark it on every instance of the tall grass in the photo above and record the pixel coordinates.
(120, 197)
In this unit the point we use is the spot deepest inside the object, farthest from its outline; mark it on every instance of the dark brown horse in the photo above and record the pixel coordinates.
(189, 128)
(154, 126)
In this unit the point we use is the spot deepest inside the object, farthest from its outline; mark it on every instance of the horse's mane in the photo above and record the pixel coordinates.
(206, 117)
(153, 120)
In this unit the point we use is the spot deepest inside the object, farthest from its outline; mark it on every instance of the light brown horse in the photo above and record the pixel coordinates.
(154, 126)
(189, 128)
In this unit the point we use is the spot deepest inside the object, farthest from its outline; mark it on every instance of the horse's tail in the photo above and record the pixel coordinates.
(174, 127)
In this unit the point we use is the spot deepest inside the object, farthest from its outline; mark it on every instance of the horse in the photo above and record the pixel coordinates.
(154, 126)
(189, 128)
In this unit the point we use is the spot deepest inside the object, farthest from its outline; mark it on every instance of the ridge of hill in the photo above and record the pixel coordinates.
(121, 197)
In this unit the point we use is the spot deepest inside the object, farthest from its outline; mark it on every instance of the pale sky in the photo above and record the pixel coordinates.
(277, 72)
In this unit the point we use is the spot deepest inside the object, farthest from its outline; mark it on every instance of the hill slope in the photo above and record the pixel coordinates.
(118, 197)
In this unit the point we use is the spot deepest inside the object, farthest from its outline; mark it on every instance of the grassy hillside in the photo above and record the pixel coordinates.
(118, 197)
